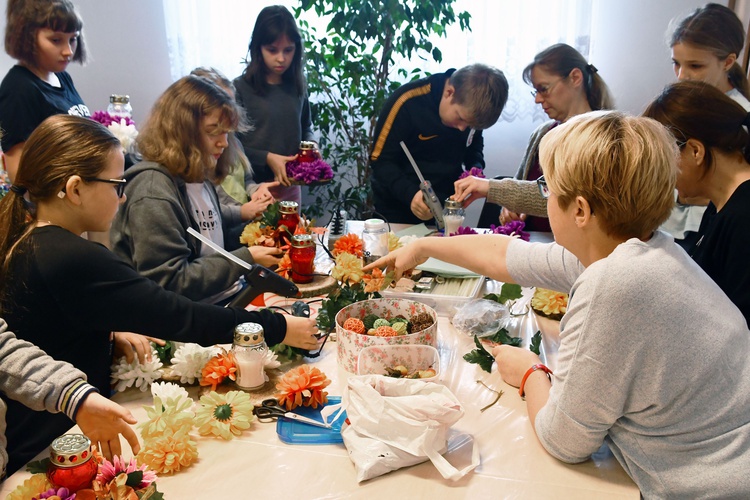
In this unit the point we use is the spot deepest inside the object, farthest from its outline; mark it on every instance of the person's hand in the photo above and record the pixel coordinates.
(102, 421)
(508, 216)
(263, 192)
(129, 344)
(513, 362)
(253, 208)
(399, 261)
(277, 164)
(469, 189)
(300, 332)
(266, 256)
(420, 208)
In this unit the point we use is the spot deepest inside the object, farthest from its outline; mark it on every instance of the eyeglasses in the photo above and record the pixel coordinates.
(541, 183)
(544, 91)
(119, 184)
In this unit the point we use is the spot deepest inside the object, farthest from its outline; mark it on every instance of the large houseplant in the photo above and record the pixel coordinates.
(351, 71)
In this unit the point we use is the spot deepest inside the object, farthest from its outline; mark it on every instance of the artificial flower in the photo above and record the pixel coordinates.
(57, 494)
(217, 369)
(309, 172)
(394, 242)
(348, 268)
(302, 386)
(409, 238)
(224, 415)
(164, 417)
(284, 267)
(30, 488)
(168, 452)
(126, 374)
(270, 361)
(169, 392)
(116, 489)
(349, 243)
(251, 234)
(464, 230)
(376, 281)
(189, 360)
(473, 171)
(108, 119)
(549, 303)
(125, 132)
(110, 470)
(512, 228)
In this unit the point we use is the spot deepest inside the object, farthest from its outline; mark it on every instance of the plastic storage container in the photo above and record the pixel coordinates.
(374, 360)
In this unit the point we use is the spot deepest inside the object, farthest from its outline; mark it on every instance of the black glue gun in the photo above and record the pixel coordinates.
(261, 280)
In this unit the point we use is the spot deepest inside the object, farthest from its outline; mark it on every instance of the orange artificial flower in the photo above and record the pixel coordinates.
(284, 268)
(302, 386)
(217, 369)
(376, 281)
(349, 243)
(168, 453)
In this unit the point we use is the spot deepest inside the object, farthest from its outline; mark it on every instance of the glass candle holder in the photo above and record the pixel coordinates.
(453, 216)
(289, 215)
(302, 255)
(249, 349)
(307, 152)
(71, 465)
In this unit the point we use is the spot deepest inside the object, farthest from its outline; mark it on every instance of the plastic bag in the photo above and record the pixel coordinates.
(481, 317)
(396, 423)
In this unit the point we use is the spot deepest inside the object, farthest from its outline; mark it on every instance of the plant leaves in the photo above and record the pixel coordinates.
(509, 291)
(134, 478)
(38, 466)
(536, 342)
(502, 337)
(164, 352)
(480, 356)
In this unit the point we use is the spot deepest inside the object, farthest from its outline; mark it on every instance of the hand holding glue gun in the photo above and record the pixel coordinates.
(428, 194)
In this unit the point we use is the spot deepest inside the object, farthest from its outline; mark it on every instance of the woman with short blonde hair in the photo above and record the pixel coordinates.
(653, 356)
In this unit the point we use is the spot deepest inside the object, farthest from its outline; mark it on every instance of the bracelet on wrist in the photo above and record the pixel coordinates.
(531, 370)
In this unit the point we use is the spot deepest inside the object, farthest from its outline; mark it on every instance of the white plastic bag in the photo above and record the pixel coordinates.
(395, 423)
(481, 317)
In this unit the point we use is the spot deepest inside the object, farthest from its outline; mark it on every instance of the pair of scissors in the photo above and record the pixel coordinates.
(270, 410)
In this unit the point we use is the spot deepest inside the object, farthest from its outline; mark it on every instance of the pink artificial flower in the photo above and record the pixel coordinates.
(464, 230)
(106, 119)
(512, 228)
(62, 493)
(110, 470)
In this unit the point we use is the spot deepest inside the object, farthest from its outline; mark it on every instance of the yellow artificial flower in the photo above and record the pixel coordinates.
(348, 268)
(394, 242)
(173, 414)
(222, 415)
(251, 234)
(549, 303)
(168, 452)
(31, 488)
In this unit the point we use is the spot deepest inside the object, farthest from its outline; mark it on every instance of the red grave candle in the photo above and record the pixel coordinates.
(289, 215)
(71, 465)
(302, 255)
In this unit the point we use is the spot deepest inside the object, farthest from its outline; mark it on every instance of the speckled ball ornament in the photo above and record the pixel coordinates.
(381, 322)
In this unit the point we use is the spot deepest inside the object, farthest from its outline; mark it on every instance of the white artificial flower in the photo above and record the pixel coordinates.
(189, 360)
(135, 374)
(271, 360)
(405, 240)
(125, 133)
(167, 391)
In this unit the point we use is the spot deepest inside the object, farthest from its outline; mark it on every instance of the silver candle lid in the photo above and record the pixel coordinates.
(248, 334)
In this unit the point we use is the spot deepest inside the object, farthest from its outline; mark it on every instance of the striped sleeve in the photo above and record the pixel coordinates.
(73, 396)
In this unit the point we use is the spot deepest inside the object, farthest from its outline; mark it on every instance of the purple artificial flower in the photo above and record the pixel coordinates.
(464, 230)
(309, 172)
(473, 171)
(63, 493)
(513, 228)
(106, 119)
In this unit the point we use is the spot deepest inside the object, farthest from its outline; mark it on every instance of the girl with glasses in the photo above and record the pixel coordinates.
(66, 294)
(565, 85)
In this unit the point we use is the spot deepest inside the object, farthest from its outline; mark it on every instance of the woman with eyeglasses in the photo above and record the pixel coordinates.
(711, 132)
(653, 358)
(66, 294)
(565, 85)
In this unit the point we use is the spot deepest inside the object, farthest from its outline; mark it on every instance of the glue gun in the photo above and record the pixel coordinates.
(261, 280)
(428, 194)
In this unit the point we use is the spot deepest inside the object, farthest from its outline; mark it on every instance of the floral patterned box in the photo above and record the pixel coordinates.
(375, 360)
(351, 343)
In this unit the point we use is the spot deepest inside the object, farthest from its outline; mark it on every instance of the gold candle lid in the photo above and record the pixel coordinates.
(302, 240)
(248, 334)
(288, 207)
(70, 450)
(307, 145)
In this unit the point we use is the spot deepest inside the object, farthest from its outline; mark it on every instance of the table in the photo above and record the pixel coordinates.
(513, 462)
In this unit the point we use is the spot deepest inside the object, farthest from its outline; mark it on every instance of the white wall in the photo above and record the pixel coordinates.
(129, 55)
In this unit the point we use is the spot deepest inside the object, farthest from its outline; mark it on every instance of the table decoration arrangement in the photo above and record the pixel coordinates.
(549, 303)
(121, 126)
(309, 169)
